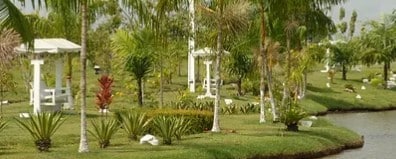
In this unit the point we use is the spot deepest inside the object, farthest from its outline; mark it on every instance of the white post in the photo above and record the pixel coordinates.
(36, 85)
(207, 63)
(191, 48)
(58, 75)
(58, 81)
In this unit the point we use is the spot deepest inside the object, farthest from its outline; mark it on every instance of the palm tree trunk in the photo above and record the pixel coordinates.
(271, 95)
(83, 85)
(344, 72)
(140, 92)
(286, 94)
(216, 126)
(239, 86)
(386, 74)
(262, 65)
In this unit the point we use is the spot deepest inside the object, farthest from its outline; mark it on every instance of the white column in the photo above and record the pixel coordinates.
(191, 48)
(36, 85)
(208, 63)
(58, 75)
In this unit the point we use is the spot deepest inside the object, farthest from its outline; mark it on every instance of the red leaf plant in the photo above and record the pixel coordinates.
(104, 96)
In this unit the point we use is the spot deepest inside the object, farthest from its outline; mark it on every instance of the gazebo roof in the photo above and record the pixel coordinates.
(52, 46)
(206, 52)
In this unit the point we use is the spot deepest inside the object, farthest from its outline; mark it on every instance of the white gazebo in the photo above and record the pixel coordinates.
(207, 52)
(40, 95)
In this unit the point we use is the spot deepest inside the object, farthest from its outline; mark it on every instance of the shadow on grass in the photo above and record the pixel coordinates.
(329, 102)
(321, 90)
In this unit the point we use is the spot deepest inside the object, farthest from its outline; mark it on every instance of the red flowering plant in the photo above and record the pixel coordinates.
(104, 96)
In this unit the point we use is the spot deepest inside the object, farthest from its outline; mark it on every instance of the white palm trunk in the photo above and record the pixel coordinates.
(83, 85)
(271, 95)
(191, 48)
(262, 97)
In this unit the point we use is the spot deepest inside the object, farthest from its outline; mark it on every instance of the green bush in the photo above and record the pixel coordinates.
(291, 116)
(166, 127)
(134, 123)
(376, 82)
(103, 131)
(247, 108)
(229, 109)
(200, 120)
(42, 126)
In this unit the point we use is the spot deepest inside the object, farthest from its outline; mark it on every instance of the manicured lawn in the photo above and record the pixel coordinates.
(242, 137)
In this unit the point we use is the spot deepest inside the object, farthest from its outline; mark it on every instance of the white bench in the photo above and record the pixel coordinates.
(50, 96)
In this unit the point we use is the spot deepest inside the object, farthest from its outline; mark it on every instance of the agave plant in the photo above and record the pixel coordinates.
(42, 126)
(166, 127)
(134, 124)
(103, 131)
(184, 126)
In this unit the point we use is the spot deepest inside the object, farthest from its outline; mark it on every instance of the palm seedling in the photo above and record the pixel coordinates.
(184, 126)
(103, 131)
(42, 126)
(134, 124)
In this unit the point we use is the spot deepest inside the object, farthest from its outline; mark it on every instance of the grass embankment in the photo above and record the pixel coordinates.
(321, 99)
(242, 137)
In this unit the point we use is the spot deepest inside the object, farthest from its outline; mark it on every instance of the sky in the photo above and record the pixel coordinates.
(366, 10)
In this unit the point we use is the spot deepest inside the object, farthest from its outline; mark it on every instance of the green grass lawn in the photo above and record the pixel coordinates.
(241, 137)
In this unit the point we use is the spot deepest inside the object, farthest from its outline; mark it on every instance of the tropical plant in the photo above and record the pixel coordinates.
(134, 124)
(3, 124)
(135, 54)
(292, 115)
(184, 126)
(228, 17)
(239, 65)
(167, 127)
(9, 39)
(378, 44)
(11, 17)
(104, 96)
(42, 126)
(103, 131)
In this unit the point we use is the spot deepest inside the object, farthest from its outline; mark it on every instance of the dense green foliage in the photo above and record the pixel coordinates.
(134, 123)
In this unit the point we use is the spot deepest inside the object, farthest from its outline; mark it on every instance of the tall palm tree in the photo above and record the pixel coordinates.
(228, 17)
(379, 44)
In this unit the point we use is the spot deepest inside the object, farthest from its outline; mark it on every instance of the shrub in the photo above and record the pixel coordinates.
(200, 120)
(376, 82)
(42, 126)
(134, 123)
(103, 131)
(104, 96)
(229, 109)
(291, 116)
(247, 108)
(169, 127)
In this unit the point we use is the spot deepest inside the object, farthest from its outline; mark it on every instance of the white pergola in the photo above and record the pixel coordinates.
(40, 95)
(207, 52)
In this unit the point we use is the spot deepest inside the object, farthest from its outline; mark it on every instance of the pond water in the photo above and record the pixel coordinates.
(378, 129)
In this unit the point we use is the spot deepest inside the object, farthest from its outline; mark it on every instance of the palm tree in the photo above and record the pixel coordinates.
(239, 65)
(11, 17)
(228, 17)
(379, 44)
(135, 51)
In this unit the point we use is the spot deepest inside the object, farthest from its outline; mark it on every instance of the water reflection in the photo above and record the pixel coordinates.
(379, 130)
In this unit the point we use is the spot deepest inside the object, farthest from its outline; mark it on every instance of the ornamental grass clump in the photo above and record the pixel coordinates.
(291, 116)
(134, 124)
(103, 131)
(42, 127)
(169, 127)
